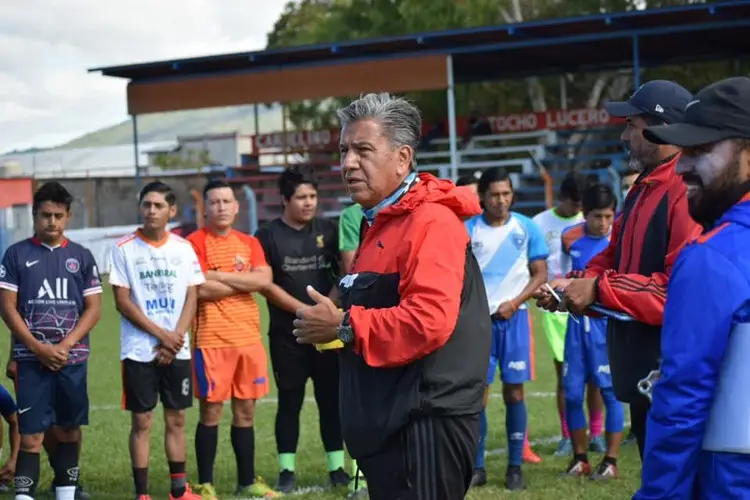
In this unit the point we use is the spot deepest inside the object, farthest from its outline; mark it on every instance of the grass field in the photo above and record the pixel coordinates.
(106, 473)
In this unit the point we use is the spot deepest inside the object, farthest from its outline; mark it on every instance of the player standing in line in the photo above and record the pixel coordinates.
(229, 358)
(303, 250)
(512, 254)
(586, 360)
(9, 411)
(155, 276)
(553, 222)
(50, 302)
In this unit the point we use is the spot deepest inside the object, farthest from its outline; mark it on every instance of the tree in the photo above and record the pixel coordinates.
(189, 160)
(320, 21)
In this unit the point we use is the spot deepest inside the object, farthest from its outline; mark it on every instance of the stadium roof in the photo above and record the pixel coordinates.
(418, 62)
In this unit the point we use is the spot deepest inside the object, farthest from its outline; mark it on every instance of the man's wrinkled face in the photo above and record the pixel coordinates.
(716, 176)
(642, 152)
(371, 167)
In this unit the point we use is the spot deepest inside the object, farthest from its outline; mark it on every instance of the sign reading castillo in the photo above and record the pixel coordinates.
(500, 124)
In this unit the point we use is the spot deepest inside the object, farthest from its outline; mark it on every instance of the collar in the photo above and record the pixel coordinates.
(660, 173)
(370, 213)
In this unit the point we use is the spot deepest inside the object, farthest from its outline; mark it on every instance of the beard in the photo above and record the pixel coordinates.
(710, 202)
(643, 158)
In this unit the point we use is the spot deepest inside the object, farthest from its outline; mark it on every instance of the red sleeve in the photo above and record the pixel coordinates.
(640, 296)
(257, 255)
(198, 240)
(431, 265)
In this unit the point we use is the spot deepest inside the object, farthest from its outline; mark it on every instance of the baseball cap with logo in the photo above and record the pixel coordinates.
(718, 112)
(662, 99)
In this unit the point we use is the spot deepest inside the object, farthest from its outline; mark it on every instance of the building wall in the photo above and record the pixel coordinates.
(113, 201)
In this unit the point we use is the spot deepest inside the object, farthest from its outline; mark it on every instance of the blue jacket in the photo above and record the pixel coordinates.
(698, 438)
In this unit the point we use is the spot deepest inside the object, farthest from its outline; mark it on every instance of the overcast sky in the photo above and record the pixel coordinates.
(46, 46)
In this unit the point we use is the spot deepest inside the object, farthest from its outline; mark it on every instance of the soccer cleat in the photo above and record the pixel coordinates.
(479, 478)
(207, 491)
(259, 489)
(577, 468)
(143, 497)
(287, 481)
(605, 471)
(564, 448)
(188, 495)
(81, 494)
(514, 479)
(338, 478)
(529, 457)
(597, 444)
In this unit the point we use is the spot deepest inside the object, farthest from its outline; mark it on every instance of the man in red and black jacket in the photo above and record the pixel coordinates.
(632, 274)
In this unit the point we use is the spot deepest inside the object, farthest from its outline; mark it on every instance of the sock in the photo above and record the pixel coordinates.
(576, 416)
(206, 443)
(515, 426)
(178, 478)
(140, 478)
(564, 426)
(581, 458)
(243, 443)
(65, 493)
(27, 474)
(615, 411)
(335, 460)
(66, 465)
(482, 446)
(596, 421)
(286, 461)
(358, 479)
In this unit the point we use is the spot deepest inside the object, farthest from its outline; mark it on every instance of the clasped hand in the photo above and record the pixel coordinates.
(53, 356)
(579, 294)
(171, 344)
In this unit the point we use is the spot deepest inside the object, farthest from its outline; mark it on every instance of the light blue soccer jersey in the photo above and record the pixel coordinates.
(504, 254)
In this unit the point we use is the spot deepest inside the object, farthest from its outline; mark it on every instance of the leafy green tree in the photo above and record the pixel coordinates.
(190, 159)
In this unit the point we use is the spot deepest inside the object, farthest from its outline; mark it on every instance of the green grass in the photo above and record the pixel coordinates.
(105, 467)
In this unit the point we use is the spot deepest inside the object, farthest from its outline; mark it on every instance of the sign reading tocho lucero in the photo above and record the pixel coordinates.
(500, 124)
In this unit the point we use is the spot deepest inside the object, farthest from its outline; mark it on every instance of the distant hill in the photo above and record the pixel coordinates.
(167, 126)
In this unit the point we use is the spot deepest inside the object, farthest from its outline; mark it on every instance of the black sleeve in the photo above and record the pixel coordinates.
(264, 237)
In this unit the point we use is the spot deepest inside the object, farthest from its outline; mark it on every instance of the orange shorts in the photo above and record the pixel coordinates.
(223, 373)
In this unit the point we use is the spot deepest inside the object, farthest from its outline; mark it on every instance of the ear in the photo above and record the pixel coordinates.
(405, 160)
(172, 211)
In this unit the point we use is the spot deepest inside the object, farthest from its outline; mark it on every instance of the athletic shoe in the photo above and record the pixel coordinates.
(529, 457)
(207, 491)
(188, 495)
(514, 479)
(597, 444)
(360, 494)
(144, 497)
(338, 478)
(259, 489)
(81, 494)
(604, 472)
(287, 481)
(6, 487)
(577, 468)
(479, 478)
(564, 448)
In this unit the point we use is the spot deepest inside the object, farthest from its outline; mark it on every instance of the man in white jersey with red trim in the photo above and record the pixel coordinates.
(155, 276)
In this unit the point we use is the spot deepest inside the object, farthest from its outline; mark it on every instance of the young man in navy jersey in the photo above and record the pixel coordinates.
(50, 300)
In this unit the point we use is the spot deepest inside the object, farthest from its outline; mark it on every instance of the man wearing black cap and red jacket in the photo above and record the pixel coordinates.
(631, 275)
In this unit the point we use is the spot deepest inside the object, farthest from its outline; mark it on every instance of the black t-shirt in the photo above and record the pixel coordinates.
(300, 257)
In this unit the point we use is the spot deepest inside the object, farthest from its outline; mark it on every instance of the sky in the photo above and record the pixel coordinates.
(46, 47)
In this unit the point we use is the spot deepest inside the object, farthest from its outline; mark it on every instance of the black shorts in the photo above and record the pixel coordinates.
(143, 384)
(432, 458)
(46, 398)
(294, 363)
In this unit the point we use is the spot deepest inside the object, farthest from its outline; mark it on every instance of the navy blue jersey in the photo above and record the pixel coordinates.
(51, 284)
(7, 403)
(581, 247)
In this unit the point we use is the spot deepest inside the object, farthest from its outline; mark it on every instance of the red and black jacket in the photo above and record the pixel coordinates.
(421, 321)
(633, 272)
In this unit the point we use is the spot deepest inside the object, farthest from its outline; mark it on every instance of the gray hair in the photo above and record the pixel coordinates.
(400, 120)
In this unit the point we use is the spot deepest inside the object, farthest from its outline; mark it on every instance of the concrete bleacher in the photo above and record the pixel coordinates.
(529, 158)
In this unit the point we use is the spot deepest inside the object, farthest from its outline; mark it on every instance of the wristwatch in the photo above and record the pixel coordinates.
(344, 330)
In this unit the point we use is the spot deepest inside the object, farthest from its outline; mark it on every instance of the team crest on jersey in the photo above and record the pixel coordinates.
(239, 264)
(519, 239)
(72, 265)
(319, 241)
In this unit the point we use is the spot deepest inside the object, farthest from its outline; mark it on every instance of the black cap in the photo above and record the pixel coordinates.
(660, 98)
(718, 112)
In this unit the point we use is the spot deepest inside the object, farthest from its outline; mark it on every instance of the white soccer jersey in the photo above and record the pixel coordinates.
(158, 276)
(552, 226)
(504, 254)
